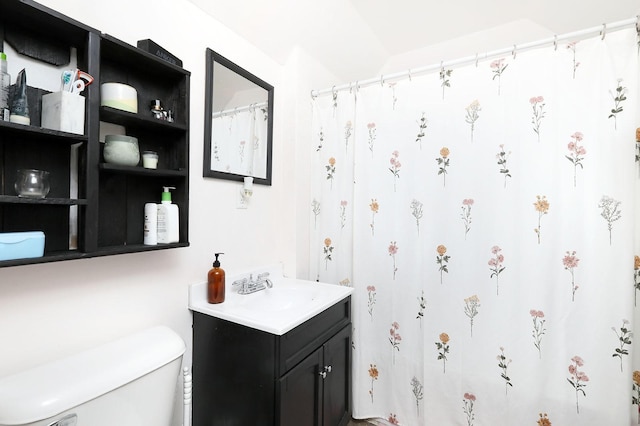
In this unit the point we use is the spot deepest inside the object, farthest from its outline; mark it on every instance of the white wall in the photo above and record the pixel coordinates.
(51, 310)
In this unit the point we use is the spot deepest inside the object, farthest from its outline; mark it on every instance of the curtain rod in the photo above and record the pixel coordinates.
(513, 50)
(232, 111)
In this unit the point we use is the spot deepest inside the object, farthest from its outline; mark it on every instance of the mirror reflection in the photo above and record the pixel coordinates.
(238, 122)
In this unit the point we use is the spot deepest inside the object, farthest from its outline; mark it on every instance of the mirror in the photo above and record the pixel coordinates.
(238, 127)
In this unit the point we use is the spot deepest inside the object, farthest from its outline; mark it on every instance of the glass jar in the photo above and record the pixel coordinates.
(32, 183)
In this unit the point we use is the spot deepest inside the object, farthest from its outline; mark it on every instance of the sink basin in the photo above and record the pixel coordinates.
(281, 298)
(276, 310)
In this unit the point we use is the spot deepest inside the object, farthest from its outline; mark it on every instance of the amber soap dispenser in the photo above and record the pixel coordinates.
(215, 282)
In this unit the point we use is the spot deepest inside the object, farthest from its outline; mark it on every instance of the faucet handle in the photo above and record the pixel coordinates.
(240, 282)
(262, 276)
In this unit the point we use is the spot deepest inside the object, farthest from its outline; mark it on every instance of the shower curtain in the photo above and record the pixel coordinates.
(239, 142)
(486, 217)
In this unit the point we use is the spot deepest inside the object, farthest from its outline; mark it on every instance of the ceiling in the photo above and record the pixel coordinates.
(351, 36)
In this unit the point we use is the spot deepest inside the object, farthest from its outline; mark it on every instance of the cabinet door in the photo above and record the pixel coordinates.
(301, 393)
(337, 384)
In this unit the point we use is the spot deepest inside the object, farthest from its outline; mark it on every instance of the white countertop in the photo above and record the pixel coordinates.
(274, 310)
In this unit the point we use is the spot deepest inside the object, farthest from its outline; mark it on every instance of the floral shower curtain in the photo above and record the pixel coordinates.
(486, 217)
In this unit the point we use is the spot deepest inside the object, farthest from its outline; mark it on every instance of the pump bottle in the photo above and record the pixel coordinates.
(168, 219)
(215, 282)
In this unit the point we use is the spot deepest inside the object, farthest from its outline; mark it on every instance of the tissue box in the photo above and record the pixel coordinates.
(21, 245)
(63, 111)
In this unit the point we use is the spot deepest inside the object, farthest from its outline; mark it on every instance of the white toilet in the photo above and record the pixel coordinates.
(129, 382)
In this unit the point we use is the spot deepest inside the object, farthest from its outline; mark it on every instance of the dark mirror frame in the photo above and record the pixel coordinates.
(212, 58)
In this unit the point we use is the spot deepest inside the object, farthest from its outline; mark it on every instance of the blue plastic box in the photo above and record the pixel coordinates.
(21, 245)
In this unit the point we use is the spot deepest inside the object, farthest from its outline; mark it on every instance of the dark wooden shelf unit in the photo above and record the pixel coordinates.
(110, 199)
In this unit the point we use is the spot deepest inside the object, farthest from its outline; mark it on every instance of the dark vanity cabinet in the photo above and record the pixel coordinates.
(244, 376)
(93, 208)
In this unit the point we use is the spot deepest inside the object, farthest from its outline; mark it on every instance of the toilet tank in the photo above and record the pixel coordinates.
(128, 382)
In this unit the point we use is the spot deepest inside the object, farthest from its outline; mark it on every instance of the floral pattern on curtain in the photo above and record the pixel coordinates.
(485, 216)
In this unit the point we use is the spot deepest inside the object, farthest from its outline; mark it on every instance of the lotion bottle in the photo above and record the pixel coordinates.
(150, 224)
(215, 282)
(168, 219)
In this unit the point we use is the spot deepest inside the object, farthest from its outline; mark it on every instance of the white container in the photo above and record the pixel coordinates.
(119, 96)
(168, 219)
(121, 150)
(150, 224)
(128, 382)
(63, 111)
(150, 160)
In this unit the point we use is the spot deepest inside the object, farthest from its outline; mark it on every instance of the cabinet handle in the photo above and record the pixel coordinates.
(325, 370)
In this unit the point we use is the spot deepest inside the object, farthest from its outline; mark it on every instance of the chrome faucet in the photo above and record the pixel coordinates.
(248, 285)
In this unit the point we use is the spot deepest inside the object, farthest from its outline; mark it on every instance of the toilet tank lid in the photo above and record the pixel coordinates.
(52, 388)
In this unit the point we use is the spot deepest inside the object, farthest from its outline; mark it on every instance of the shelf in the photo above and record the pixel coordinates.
(76, 254)
(129, 119)
(13, 199)
(135, 248)
(48, 22)
(108, 219)
(47, 258)
(41, 132)
(135, 57)
(141, 171)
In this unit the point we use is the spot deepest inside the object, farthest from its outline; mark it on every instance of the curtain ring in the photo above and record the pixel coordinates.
(409, 74)
(513, 52)
(313, 95)
(476, 59)
(604, 31)
(555, 42)
(381, 79)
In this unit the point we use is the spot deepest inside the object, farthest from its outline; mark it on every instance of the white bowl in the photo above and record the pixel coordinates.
(121, 150)
(119, 96)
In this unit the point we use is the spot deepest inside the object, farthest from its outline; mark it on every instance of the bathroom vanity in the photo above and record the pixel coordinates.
(267, 359)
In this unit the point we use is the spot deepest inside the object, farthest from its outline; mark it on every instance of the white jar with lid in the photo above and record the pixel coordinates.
(121, 150)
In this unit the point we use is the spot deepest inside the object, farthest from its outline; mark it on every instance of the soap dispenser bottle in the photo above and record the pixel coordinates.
(215, 282)
(168, 219)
